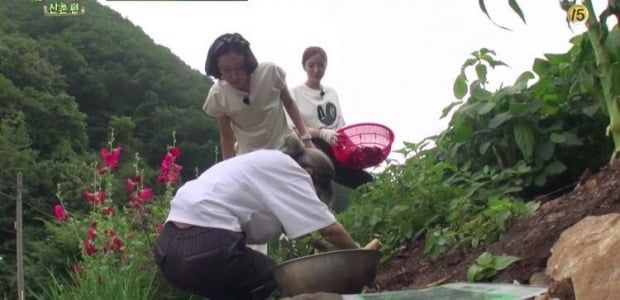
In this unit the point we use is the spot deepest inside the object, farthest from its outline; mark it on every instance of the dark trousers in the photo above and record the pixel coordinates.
(345, 176)
(213, 263)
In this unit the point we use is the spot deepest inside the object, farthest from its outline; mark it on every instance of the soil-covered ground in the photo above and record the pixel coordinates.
(529, 239)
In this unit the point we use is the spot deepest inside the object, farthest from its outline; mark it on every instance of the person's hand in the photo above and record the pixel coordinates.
(328, 135)
(320, 244)
(309, 144)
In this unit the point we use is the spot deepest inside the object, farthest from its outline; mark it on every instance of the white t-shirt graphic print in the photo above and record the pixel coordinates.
(318, 111)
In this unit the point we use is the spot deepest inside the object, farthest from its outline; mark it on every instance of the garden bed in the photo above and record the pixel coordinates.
(529, 239)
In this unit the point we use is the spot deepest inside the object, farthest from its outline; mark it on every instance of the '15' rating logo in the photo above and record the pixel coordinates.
(577, 13)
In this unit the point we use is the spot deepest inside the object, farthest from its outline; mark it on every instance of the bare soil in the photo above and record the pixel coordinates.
(529, 239)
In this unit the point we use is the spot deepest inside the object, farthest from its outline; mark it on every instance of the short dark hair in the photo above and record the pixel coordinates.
(311, 51)
(224, 44)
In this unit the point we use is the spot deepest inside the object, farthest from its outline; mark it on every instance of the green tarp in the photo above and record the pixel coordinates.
(458, 291)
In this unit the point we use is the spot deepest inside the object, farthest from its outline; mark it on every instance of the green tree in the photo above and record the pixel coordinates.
(64, 83)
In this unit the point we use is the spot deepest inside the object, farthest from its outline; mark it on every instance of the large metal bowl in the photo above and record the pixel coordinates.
(340, 272)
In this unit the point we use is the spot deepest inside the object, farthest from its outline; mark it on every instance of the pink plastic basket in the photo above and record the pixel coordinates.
(363, 145)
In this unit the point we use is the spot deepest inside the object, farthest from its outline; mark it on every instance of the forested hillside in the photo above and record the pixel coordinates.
(79, 93)
(65, 82)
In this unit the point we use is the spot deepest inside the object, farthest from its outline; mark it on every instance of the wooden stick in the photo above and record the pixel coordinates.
(20, 241)
(375, 244)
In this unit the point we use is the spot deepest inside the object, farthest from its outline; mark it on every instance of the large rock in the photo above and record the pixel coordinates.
(589, 254)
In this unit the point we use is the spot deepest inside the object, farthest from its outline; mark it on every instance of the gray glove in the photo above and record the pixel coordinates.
(328, 135)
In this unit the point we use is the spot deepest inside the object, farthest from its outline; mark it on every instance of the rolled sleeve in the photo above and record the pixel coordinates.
(279, 77)
(214, 104)
(298, 209)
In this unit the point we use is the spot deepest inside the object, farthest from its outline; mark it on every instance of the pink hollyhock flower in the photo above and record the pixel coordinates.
(110, 158)
(60, 213)
(167, 161)
(91, 234)
(170, 175)
(115, 243)
(89, 247)
(132, 182)
(77, 268)
(95, 198)
(145, 194)
(175, 151)
(131, 185)
(108, 210)
(169, 171)
(102, 170)
(136, 201)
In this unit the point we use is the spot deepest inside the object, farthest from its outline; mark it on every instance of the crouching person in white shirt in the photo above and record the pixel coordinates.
(244, 200)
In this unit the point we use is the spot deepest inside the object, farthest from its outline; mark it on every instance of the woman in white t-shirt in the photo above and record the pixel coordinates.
(249, 99)
(320, 111)
(246, 199)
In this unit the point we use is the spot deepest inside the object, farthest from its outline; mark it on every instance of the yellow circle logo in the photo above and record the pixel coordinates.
(577, 13)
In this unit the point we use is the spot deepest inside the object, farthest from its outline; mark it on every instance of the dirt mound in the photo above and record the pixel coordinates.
(529, 239)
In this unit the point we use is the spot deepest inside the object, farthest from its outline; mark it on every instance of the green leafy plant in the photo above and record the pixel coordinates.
(282, 249)
(488, 225)
(439, 240)
(464, 185)
(602, 79)
(402, 201)
(488, 265)
(424, 195)
(475, 227)
(536, 130)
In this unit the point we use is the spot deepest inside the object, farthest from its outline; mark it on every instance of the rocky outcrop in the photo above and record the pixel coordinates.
(588, 253)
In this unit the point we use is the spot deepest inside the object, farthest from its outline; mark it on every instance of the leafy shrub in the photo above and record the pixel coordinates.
(543, 127)
(463, 185)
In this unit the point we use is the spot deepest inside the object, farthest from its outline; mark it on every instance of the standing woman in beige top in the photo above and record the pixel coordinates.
(249, 99)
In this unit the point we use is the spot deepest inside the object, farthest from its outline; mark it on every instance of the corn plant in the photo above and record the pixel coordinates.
(605, 44)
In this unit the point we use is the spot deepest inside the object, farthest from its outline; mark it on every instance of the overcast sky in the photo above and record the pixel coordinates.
(391, 61)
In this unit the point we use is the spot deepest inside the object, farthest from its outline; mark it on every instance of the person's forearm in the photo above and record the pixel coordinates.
(314, 133)
(228, 147)
(338, 236)
(293, 112)
(227, 137)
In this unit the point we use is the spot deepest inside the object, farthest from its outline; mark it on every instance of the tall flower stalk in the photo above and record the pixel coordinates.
(116, 236)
